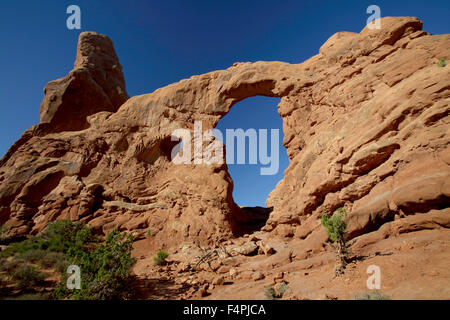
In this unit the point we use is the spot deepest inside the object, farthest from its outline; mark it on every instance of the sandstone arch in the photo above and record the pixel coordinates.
(359, 119)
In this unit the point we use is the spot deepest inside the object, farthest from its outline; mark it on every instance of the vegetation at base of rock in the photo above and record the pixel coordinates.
(441, 63)
(272, 293)
(335, 226)
(27, 277)
(2, 234)
(283, 288)
(105, 267)
(60, 236)
(105, 270)
(160, 258)
(55, 260)
(374, 295)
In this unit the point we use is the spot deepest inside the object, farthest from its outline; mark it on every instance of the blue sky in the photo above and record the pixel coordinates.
(161, 42)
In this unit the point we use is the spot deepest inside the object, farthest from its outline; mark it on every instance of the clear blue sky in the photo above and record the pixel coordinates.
(160, 42)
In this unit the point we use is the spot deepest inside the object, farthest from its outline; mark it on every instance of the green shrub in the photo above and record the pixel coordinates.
(105, 270)
(282, 288)
(4, 239)
(441, 63)
(53, 260)
(160, 258)
(105, 267)
(60, 266)
(27, 277)
(20, 247)
(335, 226)
(9, 266)
(374, 295)
(60, 236)
(64, 236)
(270, 293)
(32, 255)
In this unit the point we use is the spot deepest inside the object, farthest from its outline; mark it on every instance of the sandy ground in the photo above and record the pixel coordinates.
(412, 266)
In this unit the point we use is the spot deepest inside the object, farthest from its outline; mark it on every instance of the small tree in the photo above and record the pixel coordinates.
(160, 258)
(336, 226)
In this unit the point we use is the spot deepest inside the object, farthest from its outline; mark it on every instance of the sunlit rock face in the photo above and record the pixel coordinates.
(365, 122)
(95, 84)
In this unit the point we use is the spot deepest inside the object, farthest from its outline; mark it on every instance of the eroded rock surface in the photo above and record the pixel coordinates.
(95, 84)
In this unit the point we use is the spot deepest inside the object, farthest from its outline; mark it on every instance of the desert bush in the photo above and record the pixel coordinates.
(270, 293)
(27, 277)
(335, 226)
(19, 248)
(282, 289)
(32, 255)
(50, 247)
(441, 63)
(53, 260)
(66, 236)
(60, 236)
(105, 267)
(47, 249)
(60, 266)
(160, 258)
(4, 237)
(9, 266)
(105, 270)
(374, 295)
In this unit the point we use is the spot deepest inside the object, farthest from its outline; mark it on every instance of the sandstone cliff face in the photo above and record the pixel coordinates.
(371, 132)
(366, 127)
(95, 84)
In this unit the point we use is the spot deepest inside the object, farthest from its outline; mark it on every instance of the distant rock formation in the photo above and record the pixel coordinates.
(366, 125)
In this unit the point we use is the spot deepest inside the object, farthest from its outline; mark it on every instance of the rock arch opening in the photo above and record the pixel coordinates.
(252, 132)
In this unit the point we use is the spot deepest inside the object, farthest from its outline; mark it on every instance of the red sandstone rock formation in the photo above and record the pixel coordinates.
(95, 84)
(366, 127)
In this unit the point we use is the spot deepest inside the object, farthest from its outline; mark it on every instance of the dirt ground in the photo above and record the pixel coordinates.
(414, 265)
